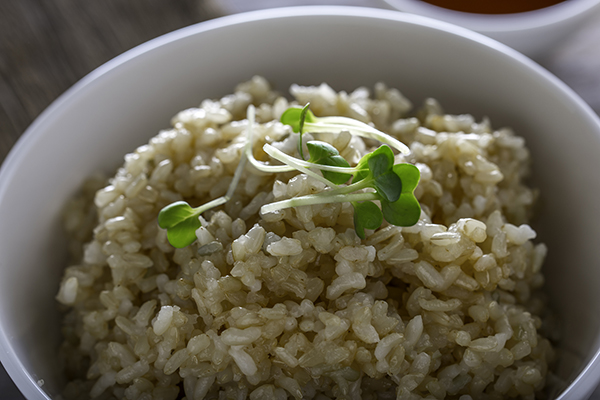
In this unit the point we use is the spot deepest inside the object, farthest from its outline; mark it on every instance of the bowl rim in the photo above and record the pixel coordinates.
(500, 23)
(586, 380)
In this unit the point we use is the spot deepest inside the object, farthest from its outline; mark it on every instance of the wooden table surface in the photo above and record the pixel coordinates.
(48, 45)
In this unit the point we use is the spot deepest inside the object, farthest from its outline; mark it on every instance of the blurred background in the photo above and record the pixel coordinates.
(48, 45)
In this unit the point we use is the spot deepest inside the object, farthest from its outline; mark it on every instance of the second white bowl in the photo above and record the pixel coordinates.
(533, 33)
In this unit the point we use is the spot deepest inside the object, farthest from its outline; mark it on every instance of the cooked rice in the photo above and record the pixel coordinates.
(293, 304)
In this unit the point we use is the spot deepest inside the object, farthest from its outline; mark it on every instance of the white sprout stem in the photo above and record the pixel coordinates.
(345, 189)
(236, 177)
(275, 169)
(238, 171)
(211, 204)
(343, 121)
(315, 199)
(295, 163)
(362, 130)
(251, 113)
(306, 164)
(346, 121)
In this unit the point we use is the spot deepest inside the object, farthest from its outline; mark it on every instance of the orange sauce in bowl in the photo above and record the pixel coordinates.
(493, 6)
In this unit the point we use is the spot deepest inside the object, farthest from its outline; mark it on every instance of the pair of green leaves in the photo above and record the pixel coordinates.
(181, 220)
(394, 186)
(297, 117)
(322, 153)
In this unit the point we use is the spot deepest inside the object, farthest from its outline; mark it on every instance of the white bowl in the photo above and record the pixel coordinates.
(126, 101)
(533, 33)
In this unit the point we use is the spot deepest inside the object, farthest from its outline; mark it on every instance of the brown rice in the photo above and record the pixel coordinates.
(293, 304)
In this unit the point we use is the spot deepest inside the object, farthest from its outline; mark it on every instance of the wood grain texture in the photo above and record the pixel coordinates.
(47, 45)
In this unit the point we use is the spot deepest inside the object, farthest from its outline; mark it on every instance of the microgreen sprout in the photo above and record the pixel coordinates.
(375, 177)
(303, 118)
(181, 220)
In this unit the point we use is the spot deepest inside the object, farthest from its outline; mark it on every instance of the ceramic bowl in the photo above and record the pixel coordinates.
(122, 104)
(533, 33)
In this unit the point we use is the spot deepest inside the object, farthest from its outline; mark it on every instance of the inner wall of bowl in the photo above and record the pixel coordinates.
(126, 102)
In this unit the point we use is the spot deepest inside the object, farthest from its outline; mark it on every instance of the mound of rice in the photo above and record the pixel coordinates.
(293, 304)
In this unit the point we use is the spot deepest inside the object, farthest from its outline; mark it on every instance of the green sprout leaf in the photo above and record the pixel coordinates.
(381, 160)
(410, 176)
(300, 130)
(362, 168)
(386, 182)
(376, 170)
(325, 154)
(406, 210)
(296, 117)
(375, 163)
(181, 221)
(388, 185)
(403, 212)
(366, 216)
